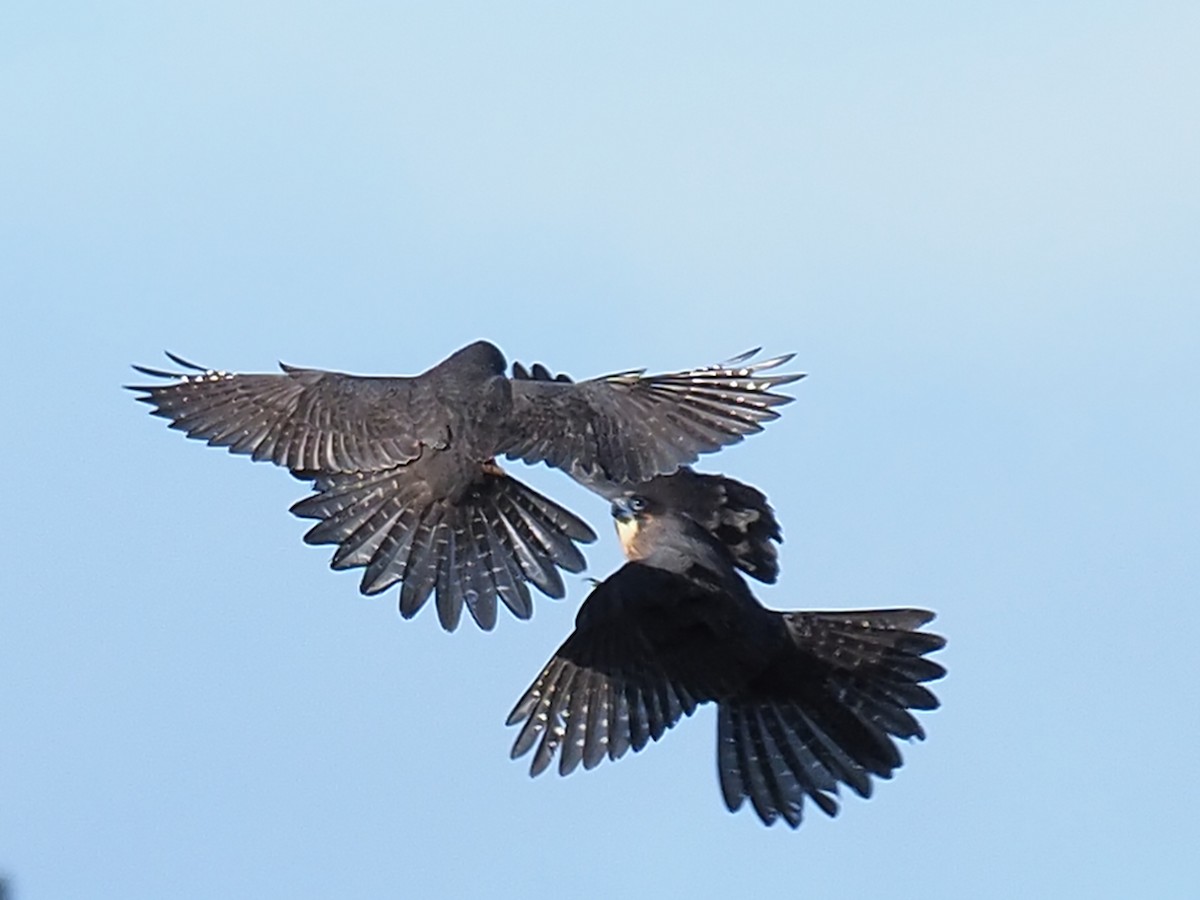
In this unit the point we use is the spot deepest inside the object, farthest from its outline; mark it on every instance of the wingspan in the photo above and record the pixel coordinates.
(629, 427)
(305, 419)
(645, 652)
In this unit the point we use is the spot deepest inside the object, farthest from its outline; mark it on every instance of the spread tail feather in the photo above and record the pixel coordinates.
(487, 544)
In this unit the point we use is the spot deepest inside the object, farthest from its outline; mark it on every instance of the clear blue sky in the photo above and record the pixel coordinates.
(977, 227)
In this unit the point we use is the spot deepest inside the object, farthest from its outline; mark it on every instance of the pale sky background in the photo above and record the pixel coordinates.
(978, 226)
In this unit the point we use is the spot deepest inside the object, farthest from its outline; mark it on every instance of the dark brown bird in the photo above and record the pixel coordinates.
(404, 468)
(806, 700)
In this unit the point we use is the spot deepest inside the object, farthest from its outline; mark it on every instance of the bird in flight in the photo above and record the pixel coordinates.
(404, 470)
(805, 700)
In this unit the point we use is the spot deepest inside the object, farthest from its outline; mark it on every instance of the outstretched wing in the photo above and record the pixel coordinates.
(629, 427)
(308, 420)
(644, 653)
(826, 710)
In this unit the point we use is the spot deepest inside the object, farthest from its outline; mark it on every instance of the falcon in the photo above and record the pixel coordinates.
(806, 701)
(404, 470)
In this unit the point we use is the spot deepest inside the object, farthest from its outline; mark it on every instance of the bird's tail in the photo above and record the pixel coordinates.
(488, 543)
(827, 712)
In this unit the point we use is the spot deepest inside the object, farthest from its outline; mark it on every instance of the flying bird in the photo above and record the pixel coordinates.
(404, 469)
(805, 700)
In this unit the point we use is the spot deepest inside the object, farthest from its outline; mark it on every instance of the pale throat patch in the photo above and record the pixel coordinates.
(627, 532)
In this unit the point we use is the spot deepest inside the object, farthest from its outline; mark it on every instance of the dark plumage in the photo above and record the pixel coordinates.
(737, 515)
(806, 700)
(734, 513)
(404, 472)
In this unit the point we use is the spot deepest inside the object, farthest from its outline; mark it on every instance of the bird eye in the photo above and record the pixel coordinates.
(637, 504)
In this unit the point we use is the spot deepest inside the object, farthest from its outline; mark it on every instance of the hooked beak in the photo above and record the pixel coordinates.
(621, 510)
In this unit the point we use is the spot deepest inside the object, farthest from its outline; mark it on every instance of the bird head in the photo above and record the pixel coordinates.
(657, 534)
(481, 357)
